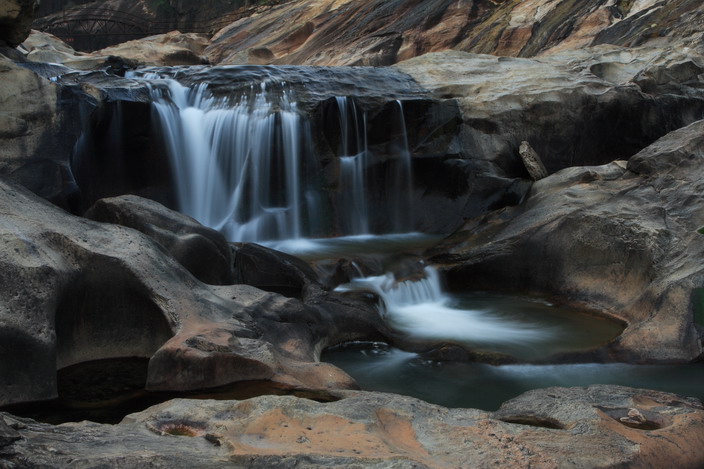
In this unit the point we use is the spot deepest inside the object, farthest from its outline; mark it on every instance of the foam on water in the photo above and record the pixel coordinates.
(420, 309)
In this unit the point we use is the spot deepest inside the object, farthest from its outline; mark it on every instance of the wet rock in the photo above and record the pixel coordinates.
(570, 116)
(621, 241)
(202, 251)
(550, 428)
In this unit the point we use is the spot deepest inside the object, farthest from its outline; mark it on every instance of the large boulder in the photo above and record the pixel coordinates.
(201, 250)
(74, 290)
(16, 18)
(585, 107)
(620, 238)
(600, 426)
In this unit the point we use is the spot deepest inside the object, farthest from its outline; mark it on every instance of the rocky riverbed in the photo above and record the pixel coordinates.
(97, 265)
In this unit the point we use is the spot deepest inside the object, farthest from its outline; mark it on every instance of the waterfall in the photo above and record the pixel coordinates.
(353, 162)
(356, 182)
(236, 165)
(241, 164)
(420, 309)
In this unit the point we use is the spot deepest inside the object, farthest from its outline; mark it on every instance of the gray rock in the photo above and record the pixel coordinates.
(202, 251)
(74, 290)
(623, 242)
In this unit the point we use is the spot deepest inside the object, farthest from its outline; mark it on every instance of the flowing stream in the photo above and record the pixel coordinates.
(246, 165)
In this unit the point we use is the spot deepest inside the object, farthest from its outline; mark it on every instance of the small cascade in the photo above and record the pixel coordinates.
(353, 161)
(237, 165)
(402, 181)
(420, 309)
(245, 165)
(358, 183)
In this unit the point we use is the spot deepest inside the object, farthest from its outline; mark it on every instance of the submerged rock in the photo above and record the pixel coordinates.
(548, 428)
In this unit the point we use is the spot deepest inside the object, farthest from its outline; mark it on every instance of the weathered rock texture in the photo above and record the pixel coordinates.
(16, 17)
(73, 290)
(584, 107)
(173, 48)
(549, 428)
(621, 238)
(202, 251)
(382, 32)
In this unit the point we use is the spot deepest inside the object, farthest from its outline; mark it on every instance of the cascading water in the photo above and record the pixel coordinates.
(353, 158)
(421, 310)
(236, 165)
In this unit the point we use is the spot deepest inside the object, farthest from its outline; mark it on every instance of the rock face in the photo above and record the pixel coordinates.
(382, 32)
(202, 251)
(173, 48)
(16, 17)
(588, 107)
(549, 428)
(73, 290)
(621, 238)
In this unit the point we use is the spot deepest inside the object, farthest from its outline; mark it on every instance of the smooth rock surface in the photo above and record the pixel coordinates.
(548, 428)
(621, 239)
(202, 251)
(73, 290)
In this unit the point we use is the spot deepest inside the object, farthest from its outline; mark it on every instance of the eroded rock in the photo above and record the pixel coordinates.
(73, 290)
(383, 430)
(621, 240)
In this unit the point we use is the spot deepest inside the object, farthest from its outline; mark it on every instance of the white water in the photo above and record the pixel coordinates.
(420, 309)
(236, 164)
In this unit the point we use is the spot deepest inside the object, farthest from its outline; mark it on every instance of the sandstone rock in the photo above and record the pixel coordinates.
(33, 151)
(16, 17)
(620, 241)
(550, 428)
(202, 251)
(576, 109)
(173, 48)
(73, 290)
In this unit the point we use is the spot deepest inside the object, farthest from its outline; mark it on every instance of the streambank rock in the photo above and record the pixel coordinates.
(16, 18)
(35, 133)
(622, 238)
(73, 290)
(202, 251)
(548, 428)
(383, 32)
(585, 107)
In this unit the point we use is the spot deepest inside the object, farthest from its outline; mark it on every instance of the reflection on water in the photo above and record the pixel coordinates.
(377, 367)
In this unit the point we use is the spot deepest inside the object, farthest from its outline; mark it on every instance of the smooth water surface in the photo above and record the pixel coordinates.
(377, 367)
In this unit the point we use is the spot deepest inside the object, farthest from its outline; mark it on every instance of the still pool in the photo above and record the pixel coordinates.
(377, 367)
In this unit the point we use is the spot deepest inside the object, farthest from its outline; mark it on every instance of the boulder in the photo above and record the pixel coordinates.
(202, 251)
(581, 108)
(16, 18)
(74, 290)
(547, 428)
(272, 270)
(620, 238)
